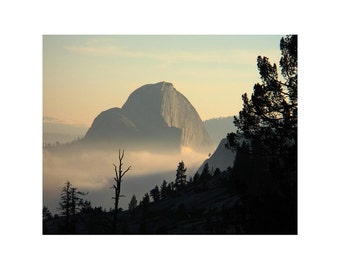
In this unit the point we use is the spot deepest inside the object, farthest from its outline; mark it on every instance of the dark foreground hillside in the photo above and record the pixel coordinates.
(199, 208)
(206, 205)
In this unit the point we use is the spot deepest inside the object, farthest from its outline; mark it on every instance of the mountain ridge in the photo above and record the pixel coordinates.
(219, 127)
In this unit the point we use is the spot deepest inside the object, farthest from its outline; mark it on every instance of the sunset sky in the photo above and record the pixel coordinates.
(84, 75)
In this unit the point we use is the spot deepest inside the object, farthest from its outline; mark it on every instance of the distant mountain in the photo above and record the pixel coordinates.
(219, 127)
(155, 116)
(59, 132)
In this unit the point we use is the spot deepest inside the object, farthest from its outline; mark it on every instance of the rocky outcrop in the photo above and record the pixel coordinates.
(222, 158)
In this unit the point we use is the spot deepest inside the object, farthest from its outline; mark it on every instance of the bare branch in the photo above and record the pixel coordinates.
(128, 169)
(121, 156)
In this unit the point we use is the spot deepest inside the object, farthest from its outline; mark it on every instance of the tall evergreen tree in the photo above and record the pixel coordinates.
(269, 119)
(205, 175)
(155, 194)
(146, 200)
(164, 190)
(196, 178)
(180, 175)
(70, 203)
(65, 203)
(77, 204)
(266, 168)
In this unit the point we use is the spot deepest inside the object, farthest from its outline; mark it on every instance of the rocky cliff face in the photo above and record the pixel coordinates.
(177, 112)
(154, 115)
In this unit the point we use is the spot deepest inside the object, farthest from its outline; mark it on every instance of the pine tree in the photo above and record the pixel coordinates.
(70, 204)
(46, 216)
(196, 178)
(217, 172)
(46, 213)
(163, 190)
(133, 203)
(180, 175)
(77, 204)
(65, 203)
(269, 118)
(205, 175)
(266, 168)
(155, 194)
(146, 200)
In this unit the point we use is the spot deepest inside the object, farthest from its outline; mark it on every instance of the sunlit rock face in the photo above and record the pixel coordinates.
(155, 116)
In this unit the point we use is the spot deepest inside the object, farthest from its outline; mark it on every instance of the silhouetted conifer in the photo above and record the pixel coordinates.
(146, 200)
(265, 169)
(70, 204)
(196, 177)
(46, 216)
(205, 172)
(155, 194)
(217, 172)
(180, 175)
(163, 192)
(133, 203)
(46, 213)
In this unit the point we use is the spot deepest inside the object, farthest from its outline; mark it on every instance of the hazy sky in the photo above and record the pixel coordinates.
(84, 75)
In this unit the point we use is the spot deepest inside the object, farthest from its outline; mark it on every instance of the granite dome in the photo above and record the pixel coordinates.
(154, 114)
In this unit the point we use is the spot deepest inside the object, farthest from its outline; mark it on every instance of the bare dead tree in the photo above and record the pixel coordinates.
(117, 186)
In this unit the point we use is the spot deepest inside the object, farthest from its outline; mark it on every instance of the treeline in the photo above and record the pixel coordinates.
(76, 214)
(180, 185)
(58, 144)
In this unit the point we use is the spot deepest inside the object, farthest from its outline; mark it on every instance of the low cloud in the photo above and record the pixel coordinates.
(93, 172)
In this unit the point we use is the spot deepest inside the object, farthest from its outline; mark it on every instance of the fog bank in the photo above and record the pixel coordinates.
(92, 171)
